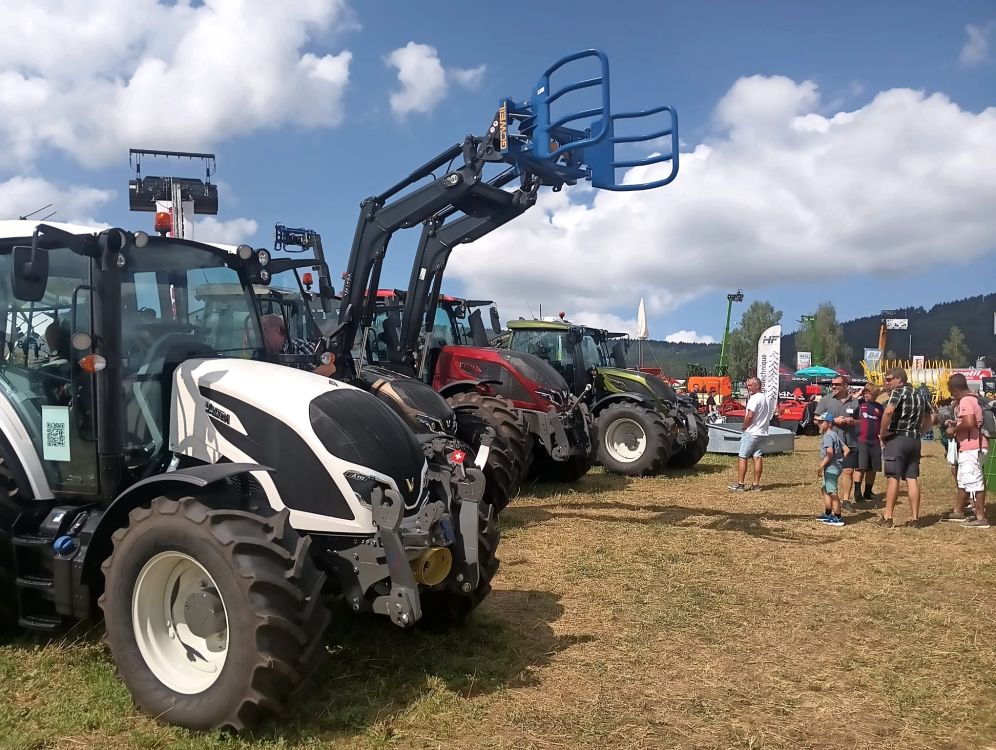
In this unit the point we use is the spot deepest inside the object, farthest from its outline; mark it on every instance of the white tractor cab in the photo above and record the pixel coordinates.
(210, 499)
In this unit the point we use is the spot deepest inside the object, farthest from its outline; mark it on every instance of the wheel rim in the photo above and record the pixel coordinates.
(180, 622)
(625, 440)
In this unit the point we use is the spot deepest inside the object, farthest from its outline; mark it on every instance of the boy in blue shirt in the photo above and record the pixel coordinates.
(829, 470)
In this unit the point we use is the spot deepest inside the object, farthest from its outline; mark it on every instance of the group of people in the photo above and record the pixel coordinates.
(862, 434)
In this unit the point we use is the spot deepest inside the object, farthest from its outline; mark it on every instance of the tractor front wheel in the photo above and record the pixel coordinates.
(631, 440)
(511, 450)
(449, 604)
(214, 617)
(691, 453)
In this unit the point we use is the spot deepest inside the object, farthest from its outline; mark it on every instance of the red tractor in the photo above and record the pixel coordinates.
(454, 356)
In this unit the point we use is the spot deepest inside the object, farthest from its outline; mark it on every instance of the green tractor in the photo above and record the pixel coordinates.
(641, 426)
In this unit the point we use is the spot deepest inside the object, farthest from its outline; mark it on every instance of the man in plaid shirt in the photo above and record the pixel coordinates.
(907, 415)
(276, 341)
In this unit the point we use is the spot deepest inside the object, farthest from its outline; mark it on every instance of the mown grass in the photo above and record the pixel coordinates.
(643, 613)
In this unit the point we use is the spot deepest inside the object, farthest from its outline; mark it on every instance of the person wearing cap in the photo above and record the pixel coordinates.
(829, 470)
(846, 411)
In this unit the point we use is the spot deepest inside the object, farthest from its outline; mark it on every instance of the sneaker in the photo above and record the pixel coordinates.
(976, 524)
(848, 505)
(755, 488)
(824, 517)
(913, 523)
(834, 521)
(885, 522)
(954, 517)
(736, 488)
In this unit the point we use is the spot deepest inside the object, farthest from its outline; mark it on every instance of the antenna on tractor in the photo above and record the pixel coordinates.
(38, 211)
(172, 198)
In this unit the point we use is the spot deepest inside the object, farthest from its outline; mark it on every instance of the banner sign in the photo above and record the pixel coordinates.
(918, 360)
(873, 357)
(803, 360)
(769, 358)
(897, 324)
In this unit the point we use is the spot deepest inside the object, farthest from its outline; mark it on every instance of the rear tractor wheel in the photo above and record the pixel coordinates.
(214, 617)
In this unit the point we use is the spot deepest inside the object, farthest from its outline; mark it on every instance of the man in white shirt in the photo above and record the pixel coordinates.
(755, 432)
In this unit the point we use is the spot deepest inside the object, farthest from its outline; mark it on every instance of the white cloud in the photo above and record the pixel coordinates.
(151, 73)
(975, 51)
(230, 232)
(73, 204)
(783, 192)
(469, 78)
(424, 80)
(688, 337)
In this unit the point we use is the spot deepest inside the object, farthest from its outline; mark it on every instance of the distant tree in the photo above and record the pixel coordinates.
(824, 337)
(955, 348)
(743, 339)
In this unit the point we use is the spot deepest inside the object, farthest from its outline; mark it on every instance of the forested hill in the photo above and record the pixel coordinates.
(673, 358)
(930, 328)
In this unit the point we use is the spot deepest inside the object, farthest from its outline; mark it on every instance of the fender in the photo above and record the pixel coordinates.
(96, 546)
(22, 457)
(463, 386)
(615, 398)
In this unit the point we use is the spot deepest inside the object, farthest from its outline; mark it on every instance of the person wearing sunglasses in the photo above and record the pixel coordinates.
(846, 412)
(906, 417)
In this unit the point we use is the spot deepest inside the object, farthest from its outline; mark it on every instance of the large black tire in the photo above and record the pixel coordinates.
(271, 592)
(511, 450)
(657, 445)
(562, 472)
(691, 453)
(449, 605)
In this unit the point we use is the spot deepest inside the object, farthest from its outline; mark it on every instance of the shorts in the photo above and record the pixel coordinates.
(901, 457)
(830, 476)
(969, 475)
(851, 459)
(750, 445)
(870, 456)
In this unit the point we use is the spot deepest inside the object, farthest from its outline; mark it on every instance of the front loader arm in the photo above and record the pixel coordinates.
(435, 245)
(545, 140)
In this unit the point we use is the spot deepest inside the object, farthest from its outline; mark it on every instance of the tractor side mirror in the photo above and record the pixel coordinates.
(619, 355)
(326, 293)
(30, 273)
(495, 320)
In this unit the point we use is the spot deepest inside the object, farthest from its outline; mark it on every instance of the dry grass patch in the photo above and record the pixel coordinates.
(648, 613)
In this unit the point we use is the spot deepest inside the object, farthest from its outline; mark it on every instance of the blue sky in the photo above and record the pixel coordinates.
(837, 152)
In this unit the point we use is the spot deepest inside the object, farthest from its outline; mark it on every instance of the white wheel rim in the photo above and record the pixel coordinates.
(184, 662)
(625, 440)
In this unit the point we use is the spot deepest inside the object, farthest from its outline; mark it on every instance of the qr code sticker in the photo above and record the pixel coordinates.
(55, 434)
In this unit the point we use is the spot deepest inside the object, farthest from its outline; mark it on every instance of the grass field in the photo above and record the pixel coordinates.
(652, 613)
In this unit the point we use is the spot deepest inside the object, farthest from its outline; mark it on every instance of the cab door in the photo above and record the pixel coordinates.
(41, 378)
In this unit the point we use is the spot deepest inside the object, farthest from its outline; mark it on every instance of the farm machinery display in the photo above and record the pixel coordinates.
(641, 426)
(538, 144)
(158, 469)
